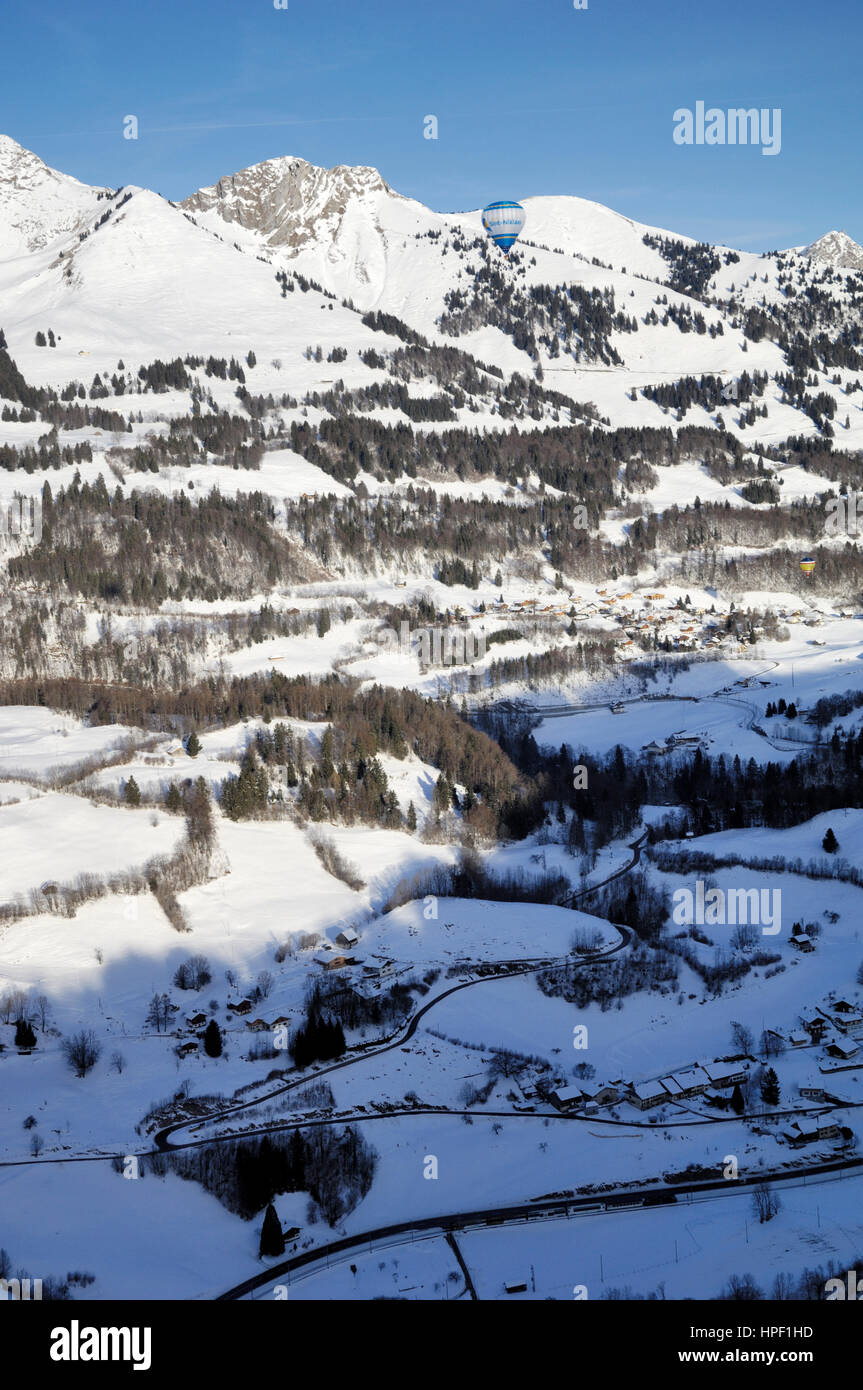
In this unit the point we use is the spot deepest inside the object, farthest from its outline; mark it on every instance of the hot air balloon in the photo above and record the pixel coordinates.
(503, 222)
(807, 564)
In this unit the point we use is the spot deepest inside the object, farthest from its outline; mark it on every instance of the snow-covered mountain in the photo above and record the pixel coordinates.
(38, 205)
(290, 202)
(837, 248)
(596, 304)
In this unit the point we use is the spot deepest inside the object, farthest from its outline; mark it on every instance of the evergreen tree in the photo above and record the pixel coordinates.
(132, 793)
(193, 745)
(830, 844)
(24, 1035)
(411, 818)
(213, 1039)
(272, 1239)
(737, 1103)
(173, 799)
(770, 1087)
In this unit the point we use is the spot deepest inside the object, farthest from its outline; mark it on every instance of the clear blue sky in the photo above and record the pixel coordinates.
(532, 96)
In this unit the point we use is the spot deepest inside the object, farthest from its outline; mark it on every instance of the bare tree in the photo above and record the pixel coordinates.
(505, 1063)
(193, 973)
(14, 1005)
(43, 1008)
(742, 1037)
(265, 983)
(742, 1288)
(82, 1051)
(118, 1062)
(37, 1144)
(772, 1044)
(159, 1012)
(745, 937)
(765, 1202)
(783, 1288)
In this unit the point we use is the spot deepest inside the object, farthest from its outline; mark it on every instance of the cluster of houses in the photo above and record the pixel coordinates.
(844, 1018)
(674, 744)
(375, 974)
(641, 616)
(708, 1079)
(196, 1023)
(797, 1135)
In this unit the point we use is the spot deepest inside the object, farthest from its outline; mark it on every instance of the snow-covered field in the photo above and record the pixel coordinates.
(453, 1037)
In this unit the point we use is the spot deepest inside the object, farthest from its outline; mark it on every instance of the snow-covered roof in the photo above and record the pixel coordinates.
(647, 1090)
(565, 1094)
(718, 1071)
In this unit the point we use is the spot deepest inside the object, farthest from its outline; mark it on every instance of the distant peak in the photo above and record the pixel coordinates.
(12, 155)
(837, 248)
(287, 199)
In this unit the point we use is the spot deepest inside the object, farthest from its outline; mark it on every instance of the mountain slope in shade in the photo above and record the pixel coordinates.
(837, 248)
(38, 204)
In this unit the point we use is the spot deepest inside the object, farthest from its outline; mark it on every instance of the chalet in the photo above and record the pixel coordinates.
(812, 1092)
(601, 1095)
(282, 1021)
(692, 1081)
(723, 1074)
(244, 1007)
(376, 971)
(796, 1137)
(197, 1020)
(647, 1094)
(673, 1087)
(798, 1038)
(655, 750)
(828, 1131)
(844, 1016)
(258, 1025)
(802, 942)
(347, 937)
(842, 1049)
(567, 1098)
(515, 1286)
(330, 960)
(186, 1048)
(815, 1026)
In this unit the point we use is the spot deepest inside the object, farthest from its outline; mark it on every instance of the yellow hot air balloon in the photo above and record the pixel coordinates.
(807, 564)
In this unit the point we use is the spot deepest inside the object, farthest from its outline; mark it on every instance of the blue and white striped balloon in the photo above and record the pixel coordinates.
(503, 222)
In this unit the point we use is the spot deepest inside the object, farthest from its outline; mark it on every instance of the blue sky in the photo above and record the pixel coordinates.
(531, 96)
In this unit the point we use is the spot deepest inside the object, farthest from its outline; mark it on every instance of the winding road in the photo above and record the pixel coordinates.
(163, 1137)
